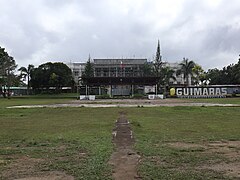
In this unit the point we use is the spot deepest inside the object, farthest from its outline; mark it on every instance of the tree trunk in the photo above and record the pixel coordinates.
(187, 82)
(8, 83)
(4, 91)
(28, 85)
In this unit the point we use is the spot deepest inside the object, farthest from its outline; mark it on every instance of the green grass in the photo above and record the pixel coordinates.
(155, 128)
(36, 100)
(49, 96)
(42, 132)
(235, 100)
(78, 140)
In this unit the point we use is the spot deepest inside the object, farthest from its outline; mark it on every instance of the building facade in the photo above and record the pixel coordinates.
(111, 68)
(179, 78)
(77, 69)
(118, 67)
(123, 76)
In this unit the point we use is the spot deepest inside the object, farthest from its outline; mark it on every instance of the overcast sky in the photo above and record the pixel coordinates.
(38, 31)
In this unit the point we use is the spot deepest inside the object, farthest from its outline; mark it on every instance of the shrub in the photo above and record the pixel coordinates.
(138, 96)
(104, 96)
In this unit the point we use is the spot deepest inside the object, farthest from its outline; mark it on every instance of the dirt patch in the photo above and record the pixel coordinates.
(124, 159)
(229, 169)
(27, 168)
(229, 150)
(55, 175)
(183, 145)
(20, 167)
(235, 144)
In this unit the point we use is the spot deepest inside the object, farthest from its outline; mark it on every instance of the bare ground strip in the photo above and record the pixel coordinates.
(124, 159)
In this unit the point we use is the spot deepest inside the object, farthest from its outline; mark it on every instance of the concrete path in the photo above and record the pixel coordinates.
(124, 159)
(95, 105)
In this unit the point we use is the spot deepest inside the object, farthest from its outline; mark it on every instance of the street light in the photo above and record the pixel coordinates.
(79, 85)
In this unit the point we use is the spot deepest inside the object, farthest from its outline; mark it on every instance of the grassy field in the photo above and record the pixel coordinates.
(235, 100)
(36, 100)
(174, 142)
(182, 142)
(74, 140)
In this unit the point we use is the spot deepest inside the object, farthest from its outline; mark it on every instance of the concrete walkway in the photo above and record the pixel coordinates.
(126, 105)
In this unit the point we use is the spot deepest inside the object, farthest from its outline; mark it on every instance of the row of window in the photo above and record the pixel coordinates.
(120, 74)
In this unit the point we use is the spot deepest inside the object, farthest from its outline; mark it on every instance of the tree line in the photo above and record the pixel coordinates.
(227, 75)
(193, 73)
(40, 79)
(58, 74)
(7, 76)
(50, 77)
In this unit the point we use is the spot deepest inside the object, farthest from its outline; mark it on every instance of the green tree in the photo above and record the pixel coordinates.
(25, 73)
(168, 74)
(7, 67)
(199, 74)
(236, 73)
(214, 75)
(48, 75)
(88, 70)
(186, 68)
(228, 75)
(157, 65)
(147, 69)
(63, 75)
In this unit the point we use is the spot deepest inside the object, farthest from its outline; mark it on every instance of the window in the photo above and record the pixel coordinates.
(76, 73)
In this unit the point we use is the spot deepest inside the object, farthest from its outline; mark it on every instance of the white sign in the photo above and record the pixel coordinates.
(89, 97)
(153, 96)
(201, 92)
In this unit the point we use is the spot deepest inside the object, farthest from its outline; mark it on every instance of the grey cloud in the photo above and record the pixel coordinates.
(59, 30)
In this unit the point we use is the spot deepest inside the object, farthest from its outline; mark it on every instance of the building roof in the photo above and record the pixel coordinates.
(120, 61)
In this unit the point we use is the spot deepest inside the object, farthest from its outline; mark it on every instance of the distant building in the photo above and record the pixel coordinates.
(118, 76)
(77, 69)
(110, 68)
(122, 76)
(179, 78)
(118, 67)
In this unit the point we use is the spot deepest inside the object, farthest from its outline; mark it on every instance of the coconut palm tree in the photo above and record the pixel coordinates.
(186, 68)
(168, 74)
(25, 73)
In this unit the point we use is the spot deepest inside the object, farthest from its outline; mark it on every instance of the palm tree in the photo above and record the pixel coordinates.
(186, 68)
(25, 73)
(199, 74)
(168, 74)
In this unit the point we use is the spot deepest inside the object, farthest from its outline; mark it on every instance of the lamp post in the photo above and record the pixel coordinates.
(77, 89)
(79, 85)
